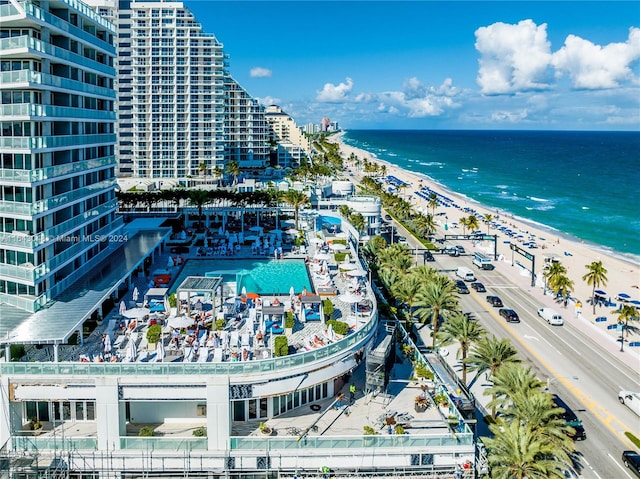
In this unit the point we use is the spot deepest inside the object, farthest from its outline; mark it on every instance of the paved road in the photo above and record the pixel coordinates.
(582, 367)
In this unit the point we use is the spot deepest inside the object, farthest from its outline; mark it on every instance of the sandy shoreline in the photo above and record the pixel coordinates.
(623, 274)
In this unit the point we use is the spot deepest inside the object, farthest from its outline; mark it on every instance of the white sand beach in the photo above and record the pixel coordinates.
(623, 275)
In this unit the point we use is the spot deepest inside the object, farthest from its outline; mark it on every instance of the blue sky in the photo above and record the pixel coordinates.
(437, 65)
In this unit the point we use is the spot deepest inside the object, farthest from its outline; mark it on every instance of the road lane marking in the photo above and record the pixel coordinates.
(526, 336)
(623, 469)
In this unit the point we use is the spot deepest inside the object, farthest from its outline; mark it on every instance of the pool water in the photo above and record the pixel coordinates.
(262, 276)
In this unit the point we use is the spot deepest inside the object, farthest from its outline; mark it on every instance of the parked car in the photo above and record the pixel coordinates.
(460, 249)
(631, 459)
(451, 251)
(578, 434)
(631, 400)
(479, 287)
(428, 256)
(510, 315)
(387, 217)
(462, 287)
(401, 239)
(494, 301)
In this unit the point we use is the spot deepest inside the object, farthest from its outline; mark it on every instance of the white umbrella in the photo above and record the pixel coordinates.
(167, 305)
(347, 258)
(292, 291)
(160, 353)
(322, 256)
(337, 246)
(178, 322)
(292, 231)
(316, 240)
(135, 295)
(348, 266)
(122, 308)
(357, 272)
(132, 351)
(107, 344)
(136, 312)
(244, 291)
(350, 298)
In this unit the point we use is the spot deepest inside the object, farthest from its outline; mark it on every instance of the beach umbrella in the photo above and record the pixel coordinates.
(599, 292)
(135, 313)
(107, 344)
(624, 297)
(322, 256)
(136, 294)
(178, 322)
(292, 291)
(350, 298)
(337, 247)
(348, 266)
(122, 308)
(252, 295)
(357, 272)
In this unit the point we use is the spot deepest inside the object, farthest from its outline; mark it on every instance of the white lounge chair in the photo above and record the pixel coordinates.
(203, 355)
(217, 355)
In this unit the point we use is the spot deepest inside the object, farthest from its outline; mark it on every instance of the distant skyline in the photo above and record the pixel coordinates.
(571, 65)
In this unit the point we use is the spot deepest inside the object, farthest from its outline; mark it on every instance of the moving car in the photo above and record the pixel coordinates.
(551, 316)
(631, 459)
(401, 239)
(578, 434)
(462, 287)
(460, 249)
(494, 301)
(631, 400)
(510, 315)
(479, 287)
(428, 256)
(387, 217)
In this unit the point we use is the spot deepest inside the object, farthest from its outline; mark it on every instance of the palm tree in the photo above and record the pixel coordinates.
(433, 203)
(397, 257)
(553, 270)
(465, 330)
(513, 380)
(199, 198)
(489, 354)
(371, 249)
(517, 452)
(296, 199)
(463, 222)
(233, 168)
(437, 298)
(472, 222)
(358, 222)
(596, 277)
(203, 168)
(625, 314)
(488, 218)
(405, 291)
(345, 211)
(562, 286)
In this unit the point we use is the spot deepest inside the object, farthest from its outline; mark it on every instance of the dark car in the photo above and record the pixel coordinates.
(460, 249)
(479, 287)
(578, 434)
(387, 217)
(631, 459)
(510, 315)
(451, 251)
(462, 287)
(428, 256)
(494, 301)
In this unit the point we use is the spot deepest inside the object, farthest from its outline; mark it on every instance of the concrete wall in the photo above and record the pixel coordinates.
(164, 411)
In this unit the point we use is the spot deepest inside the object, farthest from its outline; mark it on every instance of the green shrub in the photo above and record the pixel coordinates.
(339, 257)
(340, 241)
(339, 327)
(633, 438)
(200, 432)
(289, 320)
(16, 351)
(399, 429)
(281, 346)
(146, 431)
(328, 308)
(153, 334)
(369, 431)
(423, 372)
(173, 300)
(220, 324)
(441, 399)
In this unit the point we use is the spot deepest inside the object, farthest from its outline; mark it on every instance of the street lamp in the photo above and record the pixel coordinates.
(551, 379)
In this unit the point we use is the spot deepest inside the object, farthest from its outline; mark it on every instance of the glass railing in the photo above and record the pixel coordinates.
(27, 109)
(349, 343)
(65, 26)
(24, 273)
(26, 303)
(57, 52)
(351, 442)
(22, 76)
(31, 241)
(33, 443)
(90, 13)
(61, 141)
(164, 443)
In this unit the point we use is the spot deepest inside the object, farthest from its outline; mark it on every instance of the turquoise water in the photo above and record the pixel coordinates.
(580, 184)
(262, 276)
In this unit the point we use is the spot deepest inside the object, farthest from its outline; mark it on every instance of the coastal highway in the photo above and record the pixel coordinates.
(577, 365)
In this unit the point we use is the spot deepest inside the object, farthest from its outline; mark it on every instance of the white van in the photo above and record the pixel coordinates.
(631, 400)
(551, 316)
(465, 273)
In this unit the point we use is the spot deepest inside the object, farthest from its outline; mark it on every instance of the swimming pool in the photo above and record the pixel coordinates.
(262, 276)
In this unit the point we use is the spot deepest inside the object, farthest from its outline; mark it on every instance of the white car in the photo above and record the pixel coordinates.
(631, 400)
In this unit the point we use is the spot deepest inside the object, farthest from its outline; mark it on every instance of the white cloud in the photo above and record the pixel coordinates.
(513, 57)
(269, 100)
(331, 93)
(593, 66)
(259, 72)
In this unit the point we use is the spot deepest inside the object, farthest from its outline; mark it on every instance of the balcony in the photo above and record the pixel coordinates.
(31, 111)
(54, 172)
(36, 78)
(54, 142)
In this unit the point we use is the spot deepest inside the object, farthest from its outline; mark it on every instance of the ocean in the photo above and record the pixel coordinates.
(585, 185)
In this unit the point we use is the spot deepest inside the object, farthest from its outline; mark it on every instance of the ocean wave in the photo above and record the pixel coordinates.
(502, 187)
(430, 163)
(541, 208)
(542, 200)
(585, 208)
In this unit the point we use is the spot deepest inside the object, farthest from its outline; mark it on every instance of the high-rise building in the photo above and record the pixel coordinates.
(57, 168)
(178, 107)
